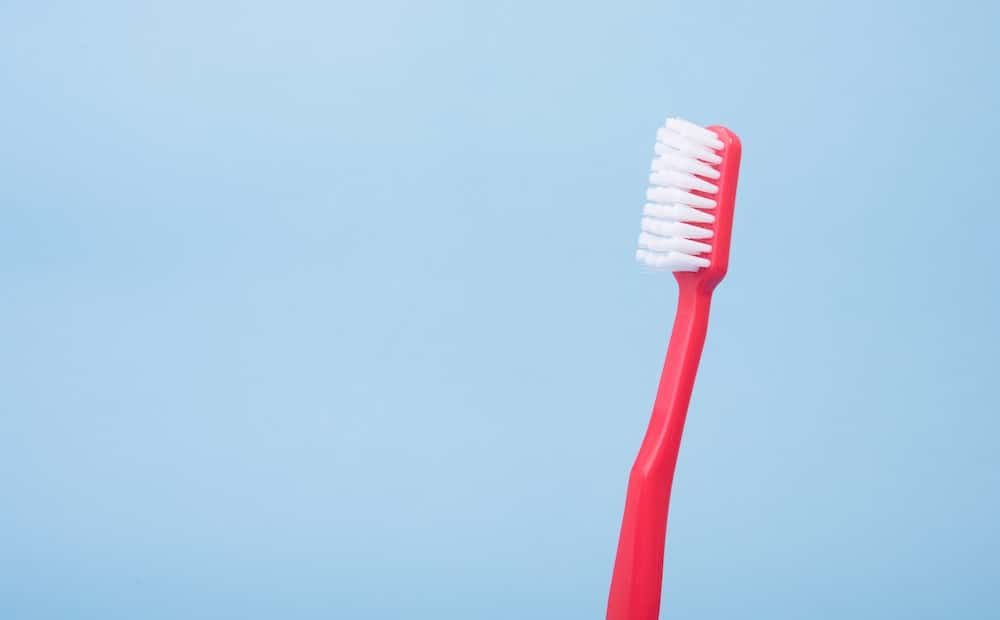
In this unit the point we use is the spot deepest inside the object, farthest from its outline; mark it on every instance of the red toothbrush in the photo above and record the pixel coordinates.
(685, 229)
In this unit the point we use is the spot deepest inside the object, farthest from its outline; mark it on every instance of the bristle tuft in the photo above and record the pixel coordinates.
(676, 227)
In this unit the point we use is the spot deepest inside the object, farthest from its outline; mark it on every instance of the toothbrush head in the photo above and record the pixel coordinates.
(688, 216)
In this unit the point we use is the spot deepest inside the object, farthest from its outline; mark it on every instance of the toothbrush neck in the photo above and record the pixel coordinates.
(694, 300)
(677, 381)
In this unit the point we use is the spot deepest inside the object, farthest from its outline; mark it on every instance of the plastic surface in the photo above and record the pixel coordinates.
(637, 580)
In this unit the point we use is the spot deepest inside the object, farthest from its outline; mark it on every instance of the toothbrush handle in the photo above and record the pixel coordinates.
(637, 579)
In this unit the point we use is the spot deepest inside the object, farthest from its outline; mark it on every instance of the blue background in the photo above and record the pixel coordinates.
(329, 310)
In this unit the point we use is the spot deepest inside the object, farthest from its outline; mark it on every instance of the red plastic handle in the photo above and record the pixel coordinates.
(636, 583)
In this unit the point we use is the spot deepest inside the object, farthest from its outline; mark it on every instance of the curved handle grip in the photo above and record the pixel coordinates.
(637, 579)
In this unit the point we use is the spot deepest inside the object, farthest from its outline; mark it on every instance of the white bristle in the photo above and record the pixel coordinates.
(669, 195)
(666, 228)
(670, 159)
(674, 217)
(687, 146)
(672, 261)
(690, 130)
(673, 178)
(678, 213)
(666, 244)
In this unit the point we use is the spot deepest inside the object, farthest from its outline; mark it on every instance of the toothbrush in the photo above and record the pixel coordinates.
(686, 227)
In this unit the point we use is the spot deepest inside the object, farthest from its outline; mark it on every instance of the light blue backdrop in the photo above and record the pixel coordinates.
(328, 310)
